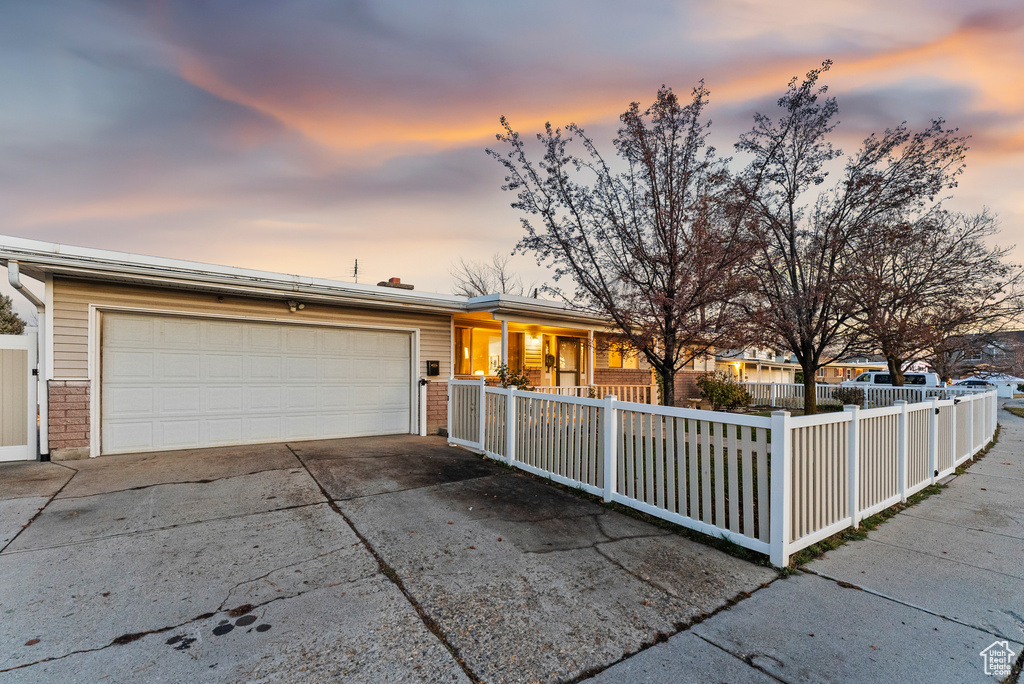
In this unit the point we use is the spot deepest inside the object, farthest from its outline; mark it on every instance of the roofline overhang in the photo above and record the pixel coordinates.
(37, 259)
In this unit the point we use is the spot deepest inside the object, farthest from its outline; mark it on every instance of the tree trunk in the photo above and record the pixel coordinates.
(895, 370)
(668, 388)
(810, 390)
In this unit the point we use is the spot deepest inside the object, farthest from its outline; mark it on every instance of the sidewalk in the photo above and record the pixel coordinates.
(917, 601)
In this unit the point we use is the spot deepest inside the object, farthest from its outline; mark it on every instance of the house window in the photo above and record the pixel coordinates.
(478, 351)
(621, 356)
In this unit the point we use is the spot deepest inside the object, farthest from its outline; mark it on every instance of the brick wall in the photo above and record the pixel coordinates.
(69, 419)
(686, 385)
(622, 376)
(437, 406)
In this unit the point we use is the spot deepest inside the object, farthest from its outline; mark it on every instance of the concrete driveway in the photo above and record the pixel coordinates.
(375, 559)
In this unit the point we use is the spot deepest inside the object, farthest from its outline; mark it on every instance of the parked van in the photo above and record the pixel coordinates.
(876, 378)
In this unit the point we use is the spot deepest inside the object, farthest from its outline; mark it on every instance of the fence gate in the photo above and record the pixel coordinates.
(18, 424)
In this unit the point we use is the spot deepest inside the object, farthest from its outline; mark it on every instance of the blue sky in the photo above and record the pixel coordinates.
(299, 136)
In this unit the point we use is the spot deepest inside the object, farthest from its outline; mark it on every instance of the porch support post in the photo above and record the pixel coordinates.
(590, 358)
(504, 342)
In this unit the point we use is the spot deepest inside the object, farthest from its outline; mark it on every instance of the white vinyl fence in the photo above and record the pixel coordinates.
(791, 396)
(774, 485)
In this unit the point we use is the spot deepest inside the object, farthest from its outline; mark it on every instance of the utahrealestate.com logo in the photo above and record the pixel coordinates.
(998, 659)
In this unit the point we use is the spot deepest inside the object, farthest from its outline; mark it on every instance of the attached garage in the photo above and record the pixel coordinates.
(173, 382)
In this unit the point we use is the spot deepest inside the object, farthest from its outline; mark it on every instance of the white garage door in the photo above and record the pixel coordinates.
(176, 383)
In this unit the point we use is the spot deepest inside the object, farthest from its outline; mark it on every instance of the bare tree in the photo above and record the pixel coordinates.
(650, 245)
(924, 282)
(803, 233)
(477, 278)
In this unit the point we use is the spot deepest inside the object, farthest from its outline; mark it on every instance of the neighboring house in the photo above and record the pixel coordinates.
(757, 365)
(847, 369)
(143, 353)
(1001, 352)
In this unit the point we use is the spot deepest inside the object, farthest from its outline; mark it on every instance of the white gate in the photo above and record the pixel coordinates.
(18, 425)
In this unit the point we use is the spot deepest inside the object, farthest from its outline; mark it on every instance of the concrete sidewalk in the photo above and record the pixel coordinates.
(917, 601)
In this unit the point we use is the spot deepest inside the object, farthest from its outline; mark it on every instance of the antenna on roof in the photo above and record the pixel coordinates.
(355, 271)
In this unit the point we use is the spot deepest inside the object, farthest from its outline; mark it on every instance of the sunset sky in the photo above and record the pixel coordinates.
(298, 136)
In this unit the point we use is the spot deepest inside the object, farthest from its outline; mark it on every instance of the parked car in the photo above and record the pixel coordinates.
(983, 384)
(877, 379)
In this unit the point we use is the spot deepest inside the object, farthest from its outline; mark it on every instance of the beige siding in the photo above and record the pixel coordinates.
(14, 397)
(71, 300)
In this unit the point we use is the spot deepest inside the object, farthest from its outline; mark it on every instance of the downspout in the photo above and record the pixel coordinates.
(42, 394)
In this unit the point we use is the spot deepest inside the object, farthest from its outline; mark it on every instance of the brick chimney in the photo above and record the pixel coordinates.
(394, 282)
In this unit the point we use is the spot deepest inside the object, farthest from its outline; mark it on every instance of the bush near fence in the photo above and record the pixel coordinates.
(774, 485)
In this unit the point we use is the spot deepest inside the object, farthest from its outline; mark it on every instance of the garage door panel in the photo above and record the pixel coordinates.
(220, 431)
(335, 370)
(178, 366)
(301, 398)
(128, 365)
(222, 399)
(300, 427)
(226, 336)
(301, 340)
(177, 333)
(264, 368)
(179, 399)
(129, 332)
(264, 338)
(264, 429)
(300, 368)
(169, 383)
(179, 434)
(227, 367)
(263, 398)
(336, 342)
(130, 435)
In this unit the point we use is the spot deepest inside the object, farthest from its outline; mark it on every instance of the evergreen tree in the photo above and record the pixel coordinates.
(10, 322)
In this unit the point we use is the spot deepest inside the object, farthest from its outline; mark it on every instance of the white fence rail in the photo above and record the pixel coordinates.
(774, 485)
(640, 394)
(791, 396)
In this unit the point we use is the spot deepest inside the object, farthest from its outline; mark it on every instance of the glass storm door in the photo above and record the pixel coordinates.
(568, 362)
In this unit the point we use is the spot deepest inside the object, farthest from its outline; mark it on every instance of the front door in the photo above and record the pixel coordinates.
(568, 362)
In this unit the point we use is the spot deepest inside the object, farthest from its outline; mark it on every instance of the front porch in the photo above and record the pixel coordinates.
(567, 354)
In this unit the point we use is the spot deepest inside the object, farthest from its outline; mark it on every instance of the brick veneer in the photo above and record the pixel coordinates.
(686, 385)
(622, 376)
(437, 406)
(69, 419)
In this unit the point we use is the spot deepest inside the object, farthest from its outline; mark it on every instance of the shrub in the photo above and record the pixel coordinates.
(849, 395)
(722, 391)
(512, 378)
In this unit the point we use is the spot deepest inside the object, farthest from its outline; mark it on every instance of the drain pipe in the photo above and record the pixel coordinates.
(43, 394)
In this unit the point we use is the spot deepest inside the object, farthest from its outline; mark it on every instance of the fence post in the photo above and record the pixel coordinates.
(901, 448)
(781, 488)
(853, 457)
(952, 431)
(970, 427)
(510, 425)
(994, 397)
(608, 422)
(482, 416)
(772, 394)
(933, 439)
(448, 425)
